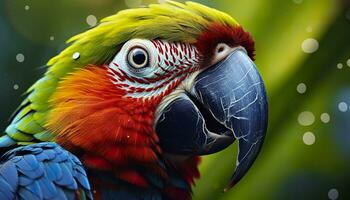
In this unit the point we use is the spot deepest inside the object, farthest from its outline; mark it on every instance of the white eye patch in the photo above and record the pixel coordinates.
(137, 56)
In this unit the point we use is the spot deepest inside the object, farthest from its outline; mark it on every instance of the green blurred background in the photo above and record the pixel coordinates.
(303, 53)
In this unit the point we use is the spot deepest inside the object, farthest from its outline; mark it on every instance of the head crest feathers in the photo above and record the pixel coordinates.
(172, 21)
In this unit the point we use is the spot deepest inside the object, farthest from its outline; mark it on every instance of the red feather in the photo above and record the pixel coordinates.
(219, 33)
(133, 177)
(110, 132)
(91, 114)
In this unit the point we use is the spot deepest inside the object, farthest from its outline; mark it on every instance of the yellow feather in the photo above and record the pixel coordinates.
(171, 21)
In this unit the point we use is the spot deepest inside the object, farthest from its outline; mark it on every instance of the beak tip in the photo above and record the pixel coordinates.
(234, 179)
(228, 187)
(248, 152)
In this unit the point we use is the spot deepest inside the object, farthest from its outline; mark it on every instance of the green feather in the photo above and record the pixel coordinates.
(13, 133)
(22, 112)
(170, 21)
(44, 136)
(28, 125)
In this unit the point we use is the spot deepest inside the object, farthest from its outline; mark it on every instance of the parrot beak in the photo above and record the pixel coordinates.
(227, 101)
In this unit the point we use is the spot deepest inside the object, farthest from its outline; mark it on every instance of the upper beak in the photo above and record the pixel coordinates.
(227, 101)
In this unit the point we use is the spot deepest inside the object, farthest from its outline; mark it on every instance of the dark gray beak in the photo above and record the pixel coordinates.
(228, 101)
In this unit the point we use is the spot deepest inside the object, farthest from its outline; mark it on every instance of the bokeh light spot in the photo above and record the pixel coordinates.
(306, 118)
(91, 20)
(15, 86)
(333, 194)
(26, 7)
(325, 118)
(301, 88)
(309, 45)
(339, 66)
(309, 138)
(52, 38)
(20, 57)
(298, 1)
(348, 62)
(343, 107)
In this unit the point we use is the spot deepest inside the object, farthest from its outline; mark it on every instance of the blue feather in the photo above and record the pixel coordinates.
(3, 196)
(37, 150)
(67, 178)
(42, 157)
(61, 195)
(6, 189)
(8, 172)
(81, 178)
(50, 153)
(35, 189)
(23, 165)
(24, 193)
(49, 189)
(6, 141)
(24, 181)
(42, 171)
(53, 171)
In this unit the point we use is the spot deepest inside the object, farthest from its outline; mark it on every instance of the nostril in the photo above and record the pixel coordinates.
(221, 49)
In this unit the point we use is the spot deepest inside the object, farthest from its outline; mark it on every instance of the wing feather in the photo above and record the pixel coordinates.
(42, 171)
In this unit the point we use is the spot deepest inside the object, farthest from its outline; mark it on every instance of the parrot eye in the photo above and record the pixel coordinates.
(138, 58)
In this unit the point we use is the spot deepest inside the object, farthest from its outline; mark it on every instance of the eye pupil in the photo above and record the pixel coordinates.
(139, 57)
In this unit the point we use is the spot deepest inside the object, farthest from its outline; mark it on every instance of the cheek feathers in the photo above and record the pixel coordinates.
(92, 117)
(79, 95)
(230, 35)
(88, 109)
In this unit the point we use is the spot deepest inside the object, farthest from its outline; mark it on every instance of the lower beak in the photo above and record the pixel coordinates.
(227, 102)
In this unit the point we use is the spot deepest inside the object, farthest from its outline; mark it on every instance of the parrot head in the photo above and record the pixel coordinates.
(153, 88)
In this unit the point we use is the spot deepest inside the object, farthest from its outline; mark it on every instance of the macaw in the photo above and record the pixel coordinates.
(128, 108)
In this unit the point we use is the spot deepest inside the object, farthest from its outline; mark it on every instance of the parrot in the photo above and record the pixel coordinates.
(128, 109)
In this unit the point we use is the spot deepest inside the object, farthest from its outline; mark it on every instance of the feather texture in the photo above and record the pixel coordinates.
(42, 171)
(77, 105)
(170, 21)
